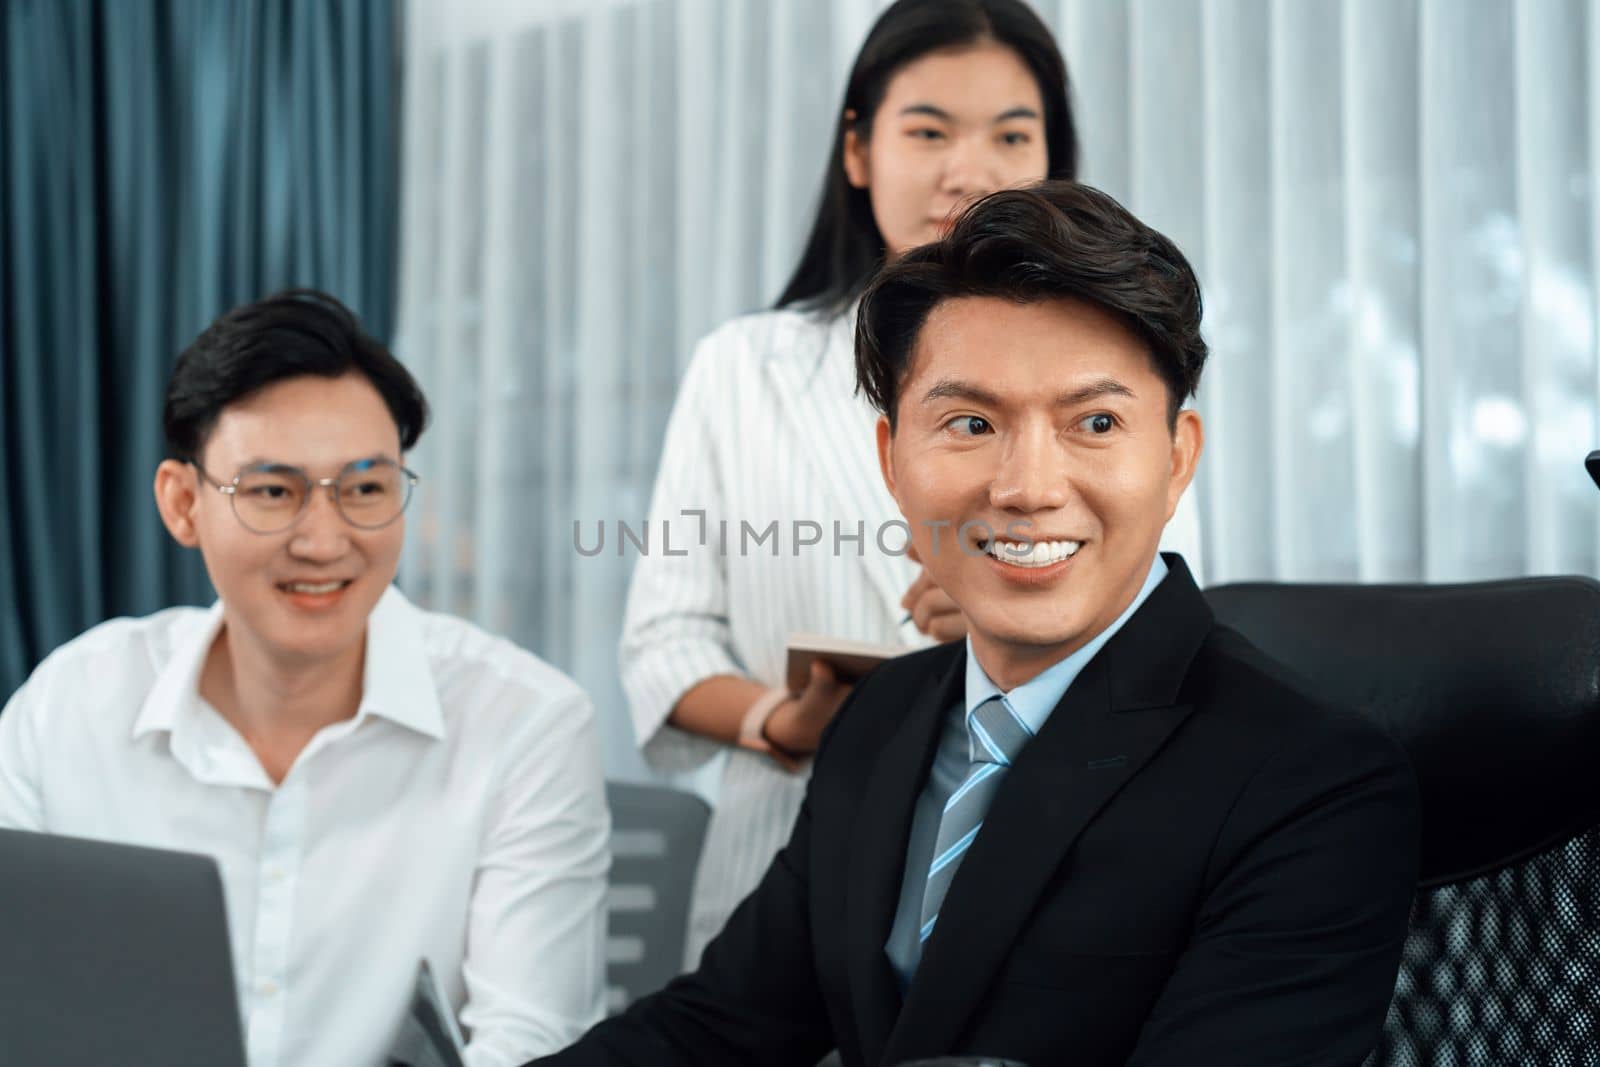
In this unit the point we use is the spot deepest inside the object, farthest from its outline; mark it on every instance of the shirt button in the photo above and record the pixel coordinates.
(267, 987)
(274, 874)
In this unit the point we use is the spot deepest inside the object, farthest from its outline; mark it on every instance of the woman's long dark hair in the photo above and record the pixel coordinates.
(845, 247)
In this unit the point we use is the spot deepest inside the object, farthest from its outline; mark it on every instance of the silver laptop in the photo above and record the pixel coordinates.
(113, 954)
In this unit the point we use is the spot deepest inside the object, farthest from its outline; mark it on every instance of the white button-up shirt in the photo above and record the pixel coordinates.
(459, 817)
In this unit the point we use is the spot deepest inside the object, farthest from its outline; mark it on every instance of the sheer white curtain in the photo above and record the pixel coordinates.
(1390, 202)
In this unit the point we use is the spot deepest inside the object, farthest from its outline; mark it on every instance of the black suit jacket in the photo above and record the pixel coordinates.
(1194, 862)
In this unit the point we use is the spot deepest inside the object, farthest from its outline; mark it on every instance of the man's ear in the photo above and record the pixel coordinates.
(1188, 440)
(886, 455)
(177, 495)
(857, 169)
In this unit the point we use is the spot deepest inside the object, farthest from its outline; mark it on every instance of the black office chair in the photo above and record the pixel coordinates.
(1494, 689)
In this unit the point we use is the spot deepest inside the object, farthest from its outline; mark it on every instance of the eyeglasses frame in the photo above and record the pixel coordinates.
(231, 491)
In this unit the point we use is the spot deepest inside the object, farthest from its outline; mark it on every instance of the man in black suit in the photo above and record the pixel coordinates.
(1104, 829)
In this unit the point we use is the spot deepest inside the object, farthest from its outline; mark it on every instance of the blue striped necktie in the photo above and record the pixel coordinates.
(995, 736)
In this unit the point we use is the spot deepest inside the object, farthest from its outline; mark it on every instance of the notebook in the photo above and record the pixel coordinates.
(850, 660)
(428, 1035)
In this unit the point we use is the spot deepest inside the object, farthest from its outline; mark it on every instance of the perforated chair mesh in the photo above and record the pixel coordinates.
(1503, 970)
(656, 833)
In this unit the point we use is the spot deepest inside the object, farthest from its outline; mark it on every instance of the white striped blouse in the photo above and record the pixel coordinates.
(772, 455)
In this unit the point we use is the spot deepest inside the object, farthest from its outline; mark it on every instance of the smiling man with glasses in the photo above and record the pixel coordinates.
(378, 783)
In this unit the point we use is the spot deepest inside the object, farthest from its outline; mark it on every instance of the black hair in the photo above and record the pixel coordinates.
(1052, 241)
(286, 335)
(845, 246)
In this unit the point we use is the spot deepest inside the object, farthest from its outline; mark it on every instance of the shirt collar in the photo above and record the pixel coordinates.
(1035, 699)
(177, 688)
(397, 683)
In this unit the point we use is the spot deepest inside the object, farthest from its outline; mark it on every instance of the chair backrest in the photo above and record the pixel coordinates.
(1494, 690)
(656, 835)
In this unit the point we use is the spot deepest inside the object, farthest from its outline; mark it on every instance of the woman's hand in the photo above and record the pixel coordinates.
(796, 725)
(931, 608)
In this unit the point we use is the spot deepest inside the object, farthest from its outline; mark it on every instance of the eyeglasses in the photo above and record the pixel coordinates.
(271, 497)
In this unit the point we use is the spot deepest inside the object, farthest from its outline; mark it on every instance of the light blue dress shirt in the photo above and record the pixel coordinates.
(1032, 701)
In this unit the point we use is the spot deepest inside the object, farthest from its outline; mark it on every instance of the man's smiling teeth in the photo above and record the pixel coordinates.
(1033, 553)
(314, 587)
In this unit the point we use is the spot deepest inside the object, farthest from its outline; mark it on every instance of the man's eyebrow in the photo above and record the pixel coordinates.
(268, 463)
(376, 457)
(956, 389)
(1094, 391)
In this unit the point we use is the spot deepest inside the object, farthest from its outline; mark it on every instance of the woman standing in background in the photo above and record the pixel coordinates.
(947, 100)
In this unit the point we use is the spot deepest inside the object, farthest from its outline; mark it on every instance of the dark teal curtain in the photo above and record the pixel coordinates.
(160, 162)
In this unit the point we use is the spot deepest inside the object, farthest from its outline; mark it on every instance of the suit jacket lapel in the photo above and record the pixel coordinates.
(814, 387)
(1112, 720)
(878, 849)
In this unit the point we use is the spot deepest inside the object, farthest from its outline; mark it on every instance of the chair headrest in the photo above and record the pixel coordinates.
(1492, 687)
